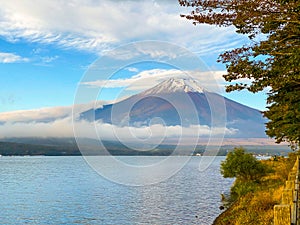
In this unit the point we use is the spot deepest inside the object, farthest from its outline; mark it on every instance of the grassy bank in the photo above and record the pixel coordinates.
(253, 202)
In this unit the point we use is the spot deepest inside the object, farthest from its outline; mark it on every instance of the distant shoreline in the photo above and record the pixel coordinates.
(8, 148)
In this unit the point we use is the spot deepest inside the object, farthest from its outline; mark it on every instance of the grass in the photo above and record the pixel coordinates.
(253, 202)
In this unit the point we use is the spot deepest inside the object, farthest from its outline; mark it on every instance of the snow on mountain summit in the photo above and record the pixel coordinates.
(175, 85)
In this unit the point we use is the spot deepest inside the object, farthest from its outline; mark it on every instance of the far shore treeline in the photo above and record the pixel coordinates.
(68, 147)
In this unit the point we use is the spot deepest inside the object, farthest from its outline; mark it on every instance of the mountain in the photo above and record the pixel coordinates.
(180, 101)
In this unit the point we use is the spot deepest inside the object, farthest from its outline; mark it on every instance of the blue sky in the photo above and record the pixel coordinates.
(47, 46)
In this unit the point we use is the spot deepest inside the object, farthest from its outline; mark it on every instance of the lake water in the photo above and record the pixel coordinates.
(65, 190)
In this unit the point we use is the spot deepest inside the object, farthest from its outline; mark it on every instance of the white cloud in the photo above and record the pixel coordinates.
(158, 131)
(149, 78)
(11, 58)
(42, 114)
(102, 24)
(64, 128)
(57, 122)
(132, 69)
(49, 59)
(58, 128)
(48, 114)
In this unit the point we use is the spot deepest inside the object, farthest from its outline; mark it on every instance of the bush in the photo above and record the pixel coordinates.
(243, 166)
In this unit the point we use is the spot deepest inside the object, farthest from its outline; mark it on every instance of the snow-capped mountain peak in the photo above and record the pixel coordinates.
(175, 85)
(167, 99)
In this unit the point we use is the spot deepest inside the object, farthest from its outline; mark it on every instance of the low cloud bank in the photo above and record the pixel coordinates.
(58, 122)
(65, 128)
(47, 114)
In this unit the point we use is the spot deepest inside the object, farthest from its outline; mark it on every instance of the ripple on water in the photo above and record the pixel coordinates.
(65, 190)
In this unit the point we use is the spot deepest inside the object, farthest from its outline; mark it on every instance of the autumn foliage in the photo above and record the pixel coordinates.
(271, 59)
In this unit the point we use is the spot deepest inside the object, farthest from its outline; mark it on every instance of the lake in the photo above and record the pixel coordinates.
(65, 190)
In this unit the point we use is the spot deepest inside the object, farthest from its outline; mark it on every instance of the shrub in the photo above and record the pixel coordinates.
(243, 166)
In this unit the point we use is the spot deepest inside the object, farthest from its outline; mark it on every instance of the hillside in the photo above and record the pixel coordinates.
(21, 149)
(256, 205)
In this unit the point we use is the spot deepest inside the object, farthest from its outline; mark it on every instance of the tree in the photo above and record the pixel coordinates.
(243, 166)
(272, 63)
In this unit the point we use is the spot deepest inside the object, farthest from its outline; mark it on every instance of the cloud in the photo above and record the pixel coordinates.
(158, 131)
(98, 25)
(49, 59)
(36, 115)
(64, 128)
(132, 69)
(11, 58)
(47, 114)
(150, 136)
(58, 122)
(149, 78)
(58, 128)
